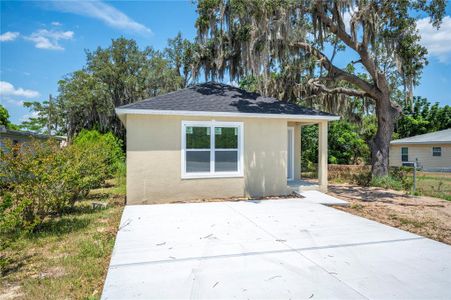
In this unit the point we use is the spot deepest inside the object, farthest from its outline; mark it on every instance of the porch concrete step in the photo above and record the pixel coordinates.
(299, 186)
(321, 198)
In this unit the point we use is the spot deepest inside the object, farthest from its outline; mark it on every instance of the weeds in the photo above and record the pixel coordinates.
(66, 255)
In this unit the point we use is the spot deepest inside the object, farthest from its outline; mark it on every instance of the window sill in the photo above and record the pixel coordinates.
(217, 175)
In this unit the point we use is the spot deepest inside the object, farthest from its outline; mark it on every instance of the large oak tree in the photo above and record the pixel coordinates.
(263, 37)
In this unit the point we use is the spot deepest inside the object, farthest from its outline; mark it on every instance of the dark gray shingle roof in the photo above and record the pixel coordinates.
(218, 97)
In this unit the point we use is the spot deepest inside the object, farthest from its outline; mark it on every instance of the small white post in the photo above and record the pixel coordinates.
(322, 156)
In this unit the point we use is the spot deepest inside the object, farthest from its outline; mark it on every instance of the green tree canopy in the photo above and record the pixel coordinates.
(347, 144)
(113, 76)
(4, 118)
(424, 118)
(47, 118)
(181, 54)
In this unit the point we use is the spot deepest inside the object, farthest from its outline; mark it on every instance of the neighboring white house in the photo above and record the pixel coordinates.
(216, 141)
(23, 137)
(432, 151)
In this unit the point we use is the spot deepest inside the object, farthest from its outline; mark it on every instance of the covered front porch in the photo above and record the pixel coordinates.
(295, 183)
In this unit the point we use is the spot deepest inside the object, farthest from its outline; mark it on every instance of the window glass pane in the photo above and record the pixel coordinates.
(226, 161)
(404, 154)
(226, 137)
(436, 151)
(197, 161)
(197, 137)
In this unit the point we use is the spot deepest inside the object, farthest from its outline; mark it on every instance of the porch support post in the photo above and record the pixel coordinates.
(322, 156)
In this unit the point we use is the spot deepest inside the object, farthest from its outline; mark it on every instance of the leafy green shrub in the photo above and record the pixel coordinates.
(121, 177)
(107, 146)
(40, 180)
(36, 181)
(387, 182)
(403, 175)
(362, 178)
(346, 145)
(349, 173)
(89, 169)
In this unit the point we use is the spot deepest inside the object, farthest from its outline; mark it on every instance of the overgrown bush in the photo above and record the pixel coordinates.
(399, 178)
(107, 146)
(347, 173)
(387, 182)
(347, 144)
(404, 175)
(36, 179)
(362, 178)
(40, 180)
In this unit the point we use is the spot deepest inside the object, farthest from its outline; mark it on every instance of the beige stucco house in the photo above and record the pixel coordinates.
(431, 151)
(216, 141)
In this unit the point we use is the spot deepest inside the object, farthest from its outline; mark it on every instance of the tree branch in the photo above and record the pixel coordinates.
(337, 73)
(315, 82)
(340, 32)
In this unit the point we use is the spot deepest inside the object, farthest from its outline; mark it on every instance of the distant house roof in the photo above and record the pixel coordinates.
(220, 100)
(438, 137)
(11, 132)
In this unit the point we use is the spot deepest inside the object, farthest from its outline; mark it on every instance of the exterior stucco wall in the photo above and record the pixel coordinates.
(424, 155)
(154, 161)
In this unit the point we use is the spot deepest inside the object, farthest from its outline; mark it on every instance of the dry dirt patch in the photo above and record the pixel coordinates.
(425, 216)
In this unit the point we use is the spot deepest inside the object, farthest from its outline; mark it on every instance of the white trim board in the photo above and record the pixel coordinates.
(125, 111)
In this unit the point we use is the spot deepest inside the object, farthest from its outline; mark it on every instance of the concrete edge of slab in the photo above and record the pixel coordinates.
(336, 204)
(317, 197)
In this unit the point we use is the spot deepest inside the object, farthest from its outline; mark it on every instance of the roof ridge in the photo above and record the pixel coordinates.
(178, 90)
(439, 136)
(423, 134)
(220, 97)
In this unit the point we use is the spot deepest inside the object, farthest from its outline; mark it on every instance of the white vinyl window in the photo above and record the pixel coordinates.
(212, 149)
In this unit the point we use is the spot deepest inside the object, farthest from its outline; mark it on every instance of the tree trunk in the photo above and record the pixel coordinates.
(380, 147)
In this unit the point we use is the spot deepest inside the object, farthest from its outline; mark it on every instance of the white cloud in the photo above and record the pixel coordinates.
(27, 117)
(56, 23)
(13, 101)
(7, 89)
(9, 36)
(438, 42)
(101, 11)
(49, 39)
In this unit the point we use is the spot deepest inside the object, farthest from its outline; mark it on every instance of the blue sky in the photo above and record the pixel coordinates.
(41, 42)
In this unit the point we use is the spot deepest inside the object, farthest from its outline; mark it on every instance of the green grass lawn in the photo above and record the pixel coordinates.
(434, 184)
(69, 256)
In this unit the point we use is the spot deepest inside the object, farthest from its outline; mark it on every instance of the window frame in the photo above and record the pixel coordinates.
(212, 174)
(405, 154)
(439, 152)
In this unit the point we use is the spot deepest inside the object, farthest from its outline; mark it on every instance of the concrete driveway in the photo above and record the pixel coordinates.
(284, 249)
